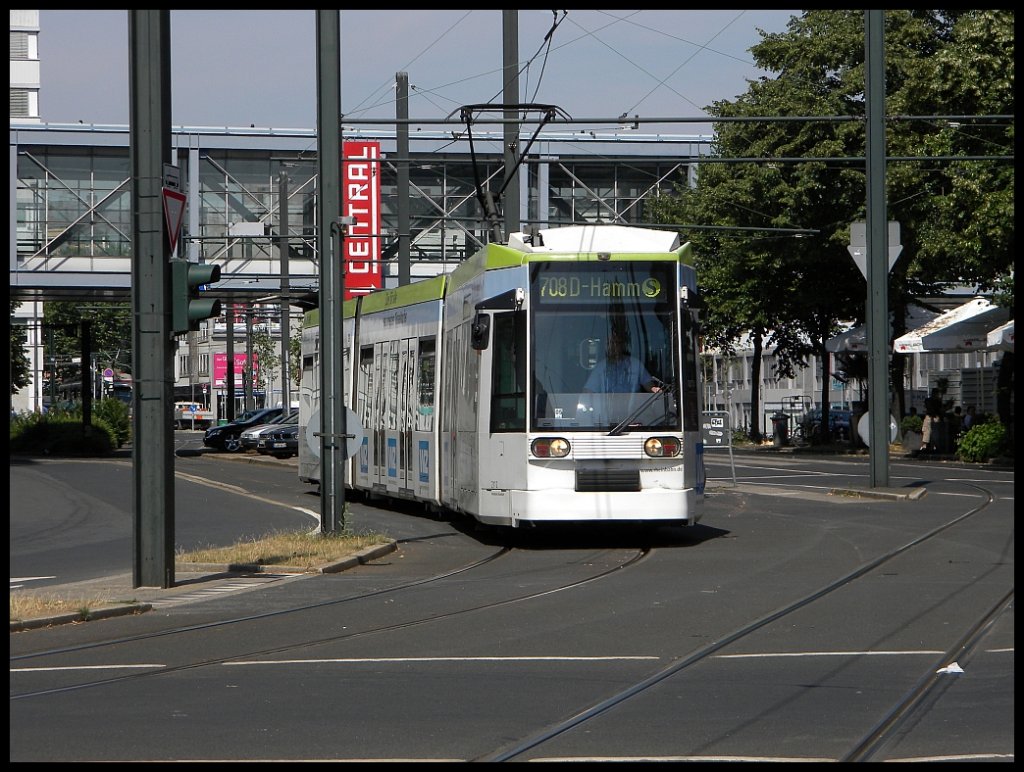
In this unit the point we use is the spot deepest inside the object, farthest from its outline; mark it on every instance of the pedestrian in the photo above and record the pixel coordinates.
(956, 423)
(932, 417)
(968, 418)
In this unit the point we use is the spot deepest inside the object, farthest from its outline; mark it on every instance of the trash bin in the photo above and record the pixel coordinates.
(780, 429)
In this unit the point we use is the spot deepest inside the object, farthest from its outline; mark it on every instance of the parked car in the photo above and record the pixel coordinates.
(251, 436)
(228, 436)
(282, 442)
(838, 422)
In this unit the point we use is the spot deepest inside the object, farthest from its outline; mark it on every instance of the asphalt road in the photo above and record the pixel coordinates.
(790, 624)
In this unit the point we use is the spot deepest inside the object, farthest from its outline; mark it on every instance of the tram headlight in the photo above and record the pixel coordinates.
(662, 447)
(550, 447)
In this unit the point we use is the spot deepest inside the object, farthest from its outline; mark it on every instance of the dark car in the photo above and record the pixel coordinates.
(251, 437)
(229, 436)
(838, 422)
(282, 442)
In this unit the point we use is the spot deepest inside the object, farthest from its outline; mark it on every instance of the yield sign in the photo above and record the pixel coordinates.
(858, 244)
(174, 210)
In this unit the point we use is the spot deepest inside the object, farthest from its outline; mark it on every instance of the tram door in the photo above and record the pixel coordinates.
(398, 382)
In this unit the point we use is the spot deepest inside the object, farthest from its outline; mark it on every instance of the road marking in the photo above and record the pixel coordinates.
(768, 655)
(221, 588)
(379, 660)
(82, 667)
(243, 492)
(16, 581)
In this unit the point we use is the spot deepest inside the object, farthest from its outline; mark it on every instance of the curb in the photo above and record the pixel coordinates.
(63, 619)
(363, 556)
(893, 494)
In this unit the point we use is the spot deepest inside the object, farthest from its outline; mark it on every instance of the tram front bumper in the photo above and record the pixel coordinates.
(680, 506)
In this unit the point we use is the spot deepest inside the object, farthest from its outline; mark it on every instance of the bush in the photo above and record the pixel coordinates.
(912, 423)
(984, 442)
(114, 413)
(59, 433)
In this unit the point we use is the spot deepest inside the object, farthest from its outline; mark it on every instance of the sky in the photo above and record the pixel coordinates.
(242, 68)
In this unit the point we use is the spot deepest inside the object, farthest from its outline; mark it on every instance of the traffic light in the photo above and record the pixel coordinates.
(188, 307)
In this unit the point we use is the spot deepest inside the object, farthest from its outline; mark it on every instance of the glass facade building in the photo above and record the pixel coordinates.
(72, 215)
(71, 228)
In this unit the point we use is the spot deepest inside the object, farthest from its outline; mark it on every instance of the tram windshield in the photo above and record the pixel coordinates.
(604, 346)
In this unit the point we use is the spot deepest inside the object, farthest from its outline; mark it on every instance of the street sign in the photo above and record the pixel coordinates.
(172, 177)
(353, 433)
(714, 428)
(858, 248)
(864, 428)
(174, 210)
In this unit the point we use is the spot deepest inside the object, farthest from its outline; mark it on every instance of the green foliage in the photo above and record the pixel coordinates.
(115, 414)
(984, 442)
(60, 433)
(911, 423)
(267, 354)
(20, 366)
(787, 291)
(110, 331)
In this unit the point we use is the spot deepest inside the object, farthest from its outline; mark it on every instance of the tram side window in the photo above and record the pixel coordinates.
(691, 331)
(424, 420)
(508, 376)
(365, 387)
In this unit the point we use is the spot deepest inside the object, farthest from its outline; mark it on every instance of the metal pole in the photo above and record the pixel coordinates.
(878, 251)
(402, 140)
(286, 333)
(85, 344)
(250, 367)
(510, 58)
(152, 437)
(328, 69)
(229, 365)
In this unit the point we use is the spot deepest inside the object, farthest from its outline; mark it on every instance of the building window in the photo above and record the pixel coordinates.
(19, 103)
(19, 45)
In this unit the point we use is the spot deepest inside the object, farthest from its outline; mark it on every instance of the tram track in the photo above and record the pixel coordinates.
(636, 555)
(867, 747)
(871, 735)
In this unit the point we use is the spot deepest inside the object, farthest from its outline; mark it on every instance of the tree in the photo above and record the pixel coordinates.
(110, 332)
(21, 369)
(268, 354)
(795, 290)
(265, 349)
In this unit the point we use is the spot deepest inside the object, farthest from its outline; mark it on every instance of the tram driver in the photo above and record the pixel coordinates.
(619, 371)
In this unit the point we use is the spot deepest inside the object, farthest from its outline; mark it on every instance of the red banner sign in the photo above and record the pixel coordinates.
(360, 199)
(220, 370)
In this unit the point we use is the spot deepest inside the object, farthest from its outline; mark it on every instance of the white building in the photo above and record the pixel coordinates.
(25, 66)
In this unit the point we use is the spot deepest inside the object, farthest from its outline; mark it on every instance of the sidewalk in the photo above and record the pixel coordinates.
(124, 599)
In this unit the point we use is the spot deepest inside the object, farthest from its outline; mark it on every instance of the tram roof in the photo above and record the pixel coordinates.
(407, 295)
(575, 243)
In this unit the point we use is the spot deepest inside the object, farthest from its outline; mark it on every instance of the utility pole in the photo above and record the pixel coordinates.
(510, 78)
(332, 274)
(229, 364)
(878, 251)
(402, 146)
(283, 226)
(152, 436)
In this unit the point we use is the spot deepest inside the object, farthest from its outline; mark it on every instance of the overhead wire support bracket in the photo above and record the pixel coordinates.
(487, 198)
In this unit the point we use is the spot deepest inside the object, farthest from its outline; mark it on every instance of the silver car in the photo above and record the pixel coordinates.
(250, 437)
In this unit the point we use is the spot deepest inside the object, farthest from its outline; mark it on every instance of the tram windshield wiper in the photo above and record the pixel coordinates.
(667, 390)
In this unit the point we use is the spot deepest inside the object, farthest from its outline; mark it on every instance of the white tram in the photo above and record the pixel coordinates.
(486, 391)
